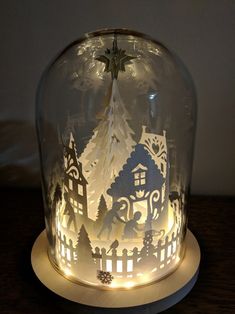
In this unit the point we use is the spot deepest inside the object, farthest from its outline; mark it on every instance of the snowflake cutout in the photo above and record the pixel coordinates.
(105, 277)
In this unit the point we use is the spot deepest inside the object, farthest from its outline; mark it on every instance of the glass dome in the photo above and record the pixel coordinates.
(115, 121)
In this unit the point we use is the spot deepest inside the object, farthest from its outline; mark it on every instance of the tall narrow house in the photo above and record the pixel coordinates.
(75, 187)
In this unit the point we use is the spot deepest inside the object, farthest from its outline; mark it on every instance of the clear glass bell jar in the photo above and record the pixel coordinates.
(116, 120)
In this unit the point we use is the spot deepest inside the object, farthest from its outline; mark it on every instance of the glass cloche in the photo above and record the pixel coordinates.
(116, 121)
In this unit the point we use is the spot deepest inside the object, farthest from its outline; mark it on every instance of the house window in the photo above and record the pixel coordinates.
(80, 189)
(80, 206)
(140, 178)
(70, 184)
(73, 202)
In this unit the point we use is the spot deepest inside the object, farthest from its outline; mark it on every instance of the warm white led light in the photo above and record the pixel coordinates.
(129, 284)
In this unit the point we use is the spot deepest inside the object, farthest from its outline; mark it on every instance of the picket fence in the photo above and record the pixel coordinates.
(125, 264)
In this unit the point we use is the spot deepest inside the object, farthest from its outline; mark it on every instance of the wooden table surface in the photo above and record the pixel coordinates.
(211, 219)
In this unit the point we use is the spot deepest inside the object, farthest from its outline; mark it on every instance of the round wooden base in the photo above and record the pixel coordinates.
(150, 299)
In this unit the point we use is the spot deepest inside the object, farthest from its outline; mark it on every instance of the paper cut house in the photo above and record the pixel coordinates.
(75, 185)
(142, 183)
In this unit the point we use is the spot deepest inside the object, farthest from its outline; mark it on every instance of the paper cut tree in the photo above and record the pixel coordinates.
(102, 210)
(85, 262)
(108, 149)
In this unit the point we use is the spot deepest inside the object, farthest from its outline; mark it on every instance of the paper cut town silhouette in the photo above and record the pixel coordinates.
(132, 237)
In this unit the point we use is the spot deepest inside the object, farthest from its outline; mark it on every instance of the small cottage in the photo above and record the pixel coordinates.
(142, 183)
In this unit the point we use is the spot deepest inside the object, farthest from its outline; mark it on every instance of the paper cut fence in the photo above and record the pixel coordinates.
(124, 265)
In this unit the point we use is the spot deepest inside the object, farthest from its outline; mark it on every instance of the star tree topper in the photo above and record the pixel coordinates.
(114, 59)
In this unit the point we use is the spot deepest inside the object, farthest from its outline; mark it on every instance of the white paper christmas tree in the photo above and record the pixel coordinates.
(108, 149)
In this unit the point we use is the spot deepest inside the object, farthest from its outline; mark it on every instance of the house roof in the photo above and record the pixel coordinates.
(156, 146)
(72, 150)
(123, 184)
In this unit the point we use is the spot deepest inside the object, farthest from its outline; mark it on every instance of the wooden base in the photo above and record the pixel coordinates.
(150, 299)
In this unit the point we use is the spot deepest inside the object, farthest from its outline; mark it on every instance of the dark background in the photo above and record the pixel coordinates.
(201, 33)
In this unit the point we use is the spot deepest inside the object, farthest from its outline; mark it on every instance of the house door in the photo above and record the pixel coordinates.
(141, 206)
